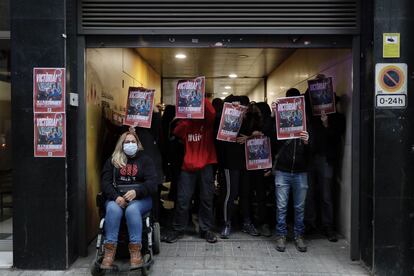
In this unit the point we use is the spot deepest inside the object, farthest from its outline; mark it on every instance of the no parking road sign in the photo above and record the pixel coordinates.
(391, 85)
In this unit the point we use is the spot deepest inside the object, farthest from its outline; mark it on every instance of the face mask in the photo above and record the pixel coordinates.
(130, 148)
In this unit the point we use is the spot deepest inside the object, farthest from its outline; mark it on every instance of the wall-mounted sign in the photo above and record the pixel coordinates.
(391, 85)
(391, 45)
(49, 135)
(49, 89)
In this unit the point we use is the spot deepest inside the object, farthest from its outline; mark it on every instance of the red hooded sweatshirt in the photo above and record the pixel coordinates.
(198, 138)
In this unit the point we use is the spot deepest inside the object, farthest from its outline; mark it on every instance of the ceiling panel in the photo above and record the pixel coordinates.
(250, 64)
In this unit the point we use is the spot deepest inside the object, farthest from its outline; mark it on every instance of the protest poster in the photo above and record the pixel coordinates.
(49, 89)
(140, 105)
(190, 98)
(321, 96)
(258, 153)
(290, 117)
(230, 122)
(49, 135)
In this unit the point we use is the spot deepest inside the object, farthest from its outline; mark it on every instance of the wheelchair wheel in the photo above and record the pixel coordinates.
(96, 270)
(145, 270)
(157, 238)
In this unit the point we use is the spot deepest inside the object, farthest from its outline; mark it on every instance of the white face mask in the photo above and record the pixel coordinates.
(130, 149)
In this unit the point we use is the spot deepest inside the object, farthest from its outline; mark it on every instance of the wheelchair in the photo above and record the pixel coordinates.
(150, 243)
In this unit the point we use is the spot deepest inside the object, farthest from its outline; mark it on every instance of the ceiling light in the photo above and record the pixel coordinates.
(227, 87)
(242, 56)
(224, 93)
(180, 56)
(232, 76)
(222, 98)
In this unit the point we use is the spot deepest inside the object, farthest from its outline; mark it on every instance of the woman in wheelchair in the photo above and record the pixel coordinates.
(128, 181)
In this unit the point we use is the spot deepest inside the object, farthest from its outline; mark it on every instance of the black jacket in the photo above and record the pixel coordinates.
(139, 169)
(293, 156)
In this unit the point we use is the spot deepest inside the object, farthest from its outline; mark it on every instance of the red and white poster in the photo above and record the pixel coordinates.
(49, 89)
(190, 98)
(230, 122)
(49, 135)
(290, 117)
(139, 108)
(321, 96)
(258, 153)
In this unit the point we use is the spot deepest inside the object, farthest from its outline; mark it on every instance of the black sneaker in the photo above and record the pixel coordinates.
(331, 235)
(173, 236)
(300, 244)
(209, 236)
(264, 230)
(281, 243)
(225, 233)
(250, 229)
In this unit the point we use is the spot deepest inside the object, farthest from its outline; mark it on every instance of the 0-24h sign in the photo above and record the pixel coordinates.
(391, 85)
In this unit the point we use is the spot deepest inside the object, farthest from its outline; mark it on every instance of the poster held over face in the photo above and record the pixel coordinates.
(230, 122)
(258, 153)
(321, 96)
(49, 89)
(140, 106)
(49, 135)
(290, 117)
(190, 98)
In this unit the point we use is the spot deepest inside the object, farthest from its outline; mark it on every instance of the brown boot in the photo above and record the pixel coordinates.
(135, 253)
(108, 259)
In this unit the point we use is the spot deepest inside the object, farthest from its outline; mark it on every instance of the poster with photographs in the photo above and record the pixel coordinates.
(258, 153)
(190, 98)
(290, 117)
(230, 122)
(322, 97)
(140, 105)
(49, 135)
(49, 89)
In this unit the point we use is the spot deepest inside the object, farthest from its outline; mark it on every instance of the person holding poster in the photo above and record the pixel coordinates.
(236, 176)
(290, 170)
(328, 130)
(190, 98)
(199, 157)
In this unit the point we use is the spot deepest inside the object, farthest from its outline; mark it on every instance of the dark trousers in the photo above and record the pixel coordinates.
(237, 185)
(258, 184)
(320, 193)
(185, 190)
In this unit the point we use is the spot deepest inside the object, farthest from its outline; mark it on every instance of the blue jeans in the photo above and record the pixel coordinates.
(133, 214)
(284, 181)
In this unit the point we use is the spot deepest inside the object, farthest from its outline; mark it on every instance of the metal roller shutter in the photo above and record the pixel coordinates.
(219, 16)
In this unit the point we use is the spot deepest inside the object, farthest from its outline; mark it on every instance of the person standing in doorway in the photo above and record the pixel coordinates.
(291, 166)
(328, 130)
(199, 157)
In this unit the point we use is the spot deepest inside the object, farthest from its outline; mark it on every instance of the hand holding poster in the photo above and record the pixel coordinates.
(140, 105)
(290, 117)
(49, 134)
(321, 96)
(49, 90)
(190, 98)
(230, 122)
(258, 153)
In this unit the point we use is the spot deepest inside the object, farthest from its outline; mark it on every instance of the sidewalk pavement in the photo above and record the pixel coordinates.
(240, 255)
